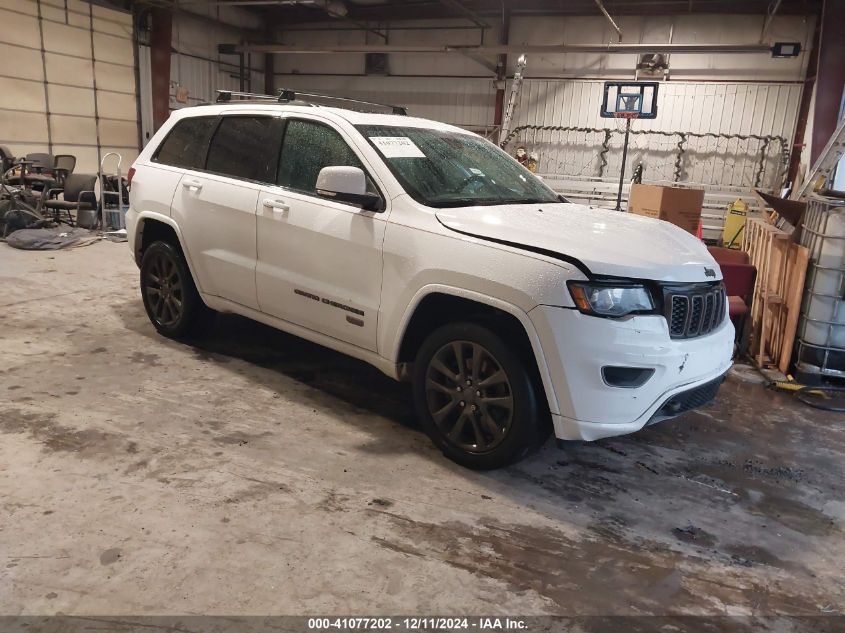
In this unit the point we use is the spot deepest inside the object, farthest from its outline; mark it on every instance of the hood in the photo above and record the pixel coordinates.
(604, 242)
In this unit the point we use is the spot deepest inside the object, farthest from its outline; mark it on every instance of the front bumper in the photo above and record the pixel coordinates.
(576, 347)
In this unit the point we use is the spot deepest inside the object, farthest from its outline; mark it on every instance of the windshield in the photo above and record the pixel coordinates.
(450, 169)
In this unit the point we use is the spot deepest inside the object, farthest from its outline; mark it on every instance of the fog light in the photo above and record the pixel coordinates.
(628, 377)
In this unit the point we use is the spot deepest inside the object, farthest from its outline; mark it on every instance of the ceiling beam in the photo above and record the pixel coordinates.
(498, 49)
(491, 10)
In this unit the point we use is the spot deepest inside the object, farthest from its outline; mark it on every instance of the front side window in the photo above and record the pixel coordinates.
(306, 149)
(186, 143)
(246, 147)
(452, 169)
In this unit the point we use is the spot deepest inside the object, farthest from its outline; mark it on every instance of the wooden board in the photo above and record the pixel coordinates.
(776, 302)
(799, 258)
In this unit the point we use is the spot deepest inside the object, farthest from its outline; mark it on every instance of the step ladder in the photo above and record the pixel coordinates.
(825, 163)
(516, 86)
(109, 206)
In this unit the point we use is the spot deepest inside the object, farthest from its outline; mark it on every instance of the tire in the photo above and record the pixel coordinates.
(487, 415)
(170, 296)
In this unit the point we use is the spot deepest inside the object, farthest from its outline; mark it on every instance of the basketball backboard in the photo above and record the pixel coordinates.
(636, 99)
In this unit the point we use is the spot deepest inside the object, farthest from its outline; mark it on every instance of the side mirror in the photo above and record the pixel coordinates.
(347, 184)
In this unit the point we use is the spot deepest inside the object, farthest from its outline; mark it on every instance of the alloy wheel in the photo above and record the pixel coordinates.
(164, 290)
(469, 396)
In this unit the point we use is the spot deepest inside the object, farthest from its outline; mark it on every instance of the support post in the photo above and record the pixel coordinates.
(831, 76)
(624, 158)
(501, 72)
(804, 106)
(160, 38)
(241, 73)
(269, 75)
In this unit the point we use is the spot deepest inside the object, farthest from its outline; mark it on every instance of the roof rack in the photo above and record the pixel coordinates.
(304, 98)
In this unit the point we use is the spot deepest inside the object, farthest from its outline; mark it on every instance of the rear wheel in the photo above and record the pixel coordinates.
(475, 397)
(170, 296)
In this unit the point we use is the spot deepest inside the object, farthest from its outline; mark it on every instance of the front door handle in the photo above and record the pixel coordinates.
(191, 183)
(278, 206)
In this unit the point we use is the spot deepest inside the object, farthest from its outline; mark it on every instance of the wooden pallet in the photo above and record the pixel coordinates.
(781, 268)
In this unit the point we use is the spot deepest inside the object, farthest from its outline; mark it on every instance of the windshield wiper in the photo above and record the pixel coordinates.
(464, 202)
(485, 202)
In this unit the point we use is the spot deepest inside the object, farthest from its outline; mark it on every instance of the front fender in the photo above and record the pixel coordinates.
(392, 348)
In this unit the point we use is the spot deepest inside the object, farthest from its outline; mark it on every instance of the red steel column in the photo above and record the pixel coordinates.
(160, 38)
(831, 75)
(799, 143)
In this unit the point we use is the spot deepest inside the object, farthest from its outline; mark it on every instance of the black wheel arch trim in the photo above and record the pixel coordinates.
(525, 247)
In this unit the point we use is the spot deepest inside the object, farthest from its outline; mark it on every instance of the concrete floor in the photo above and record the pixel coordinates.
(260, 474)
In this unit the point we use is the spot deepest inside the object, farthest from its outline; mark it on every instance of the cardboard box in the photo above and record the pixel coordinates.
(681, 207)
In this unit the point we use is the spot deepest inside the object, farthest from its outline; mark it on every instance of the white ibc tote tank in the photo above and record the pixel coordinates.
(822, 331)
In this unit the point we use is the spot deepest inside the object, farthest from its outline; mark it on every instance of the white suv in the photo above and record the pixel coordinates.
(428, 252)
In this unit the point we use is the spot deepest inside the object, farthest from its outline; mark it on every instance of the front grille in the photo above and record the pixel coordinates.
(695, 311)
(688, 400)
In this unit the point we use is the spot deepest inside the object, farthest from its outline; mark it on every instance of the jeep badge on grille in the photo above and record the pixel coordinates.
(709, 272)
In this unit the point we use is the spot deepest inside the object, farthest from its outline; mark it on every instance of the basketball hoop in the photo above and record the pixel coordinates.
(626, 101)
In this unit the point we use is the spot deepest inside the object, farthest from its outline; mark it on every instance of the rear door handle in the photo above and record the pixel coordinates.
(191, 183)
(278, 206)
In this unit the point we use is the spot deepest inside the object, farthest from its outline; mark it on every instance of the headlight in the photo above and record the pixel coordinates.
(610, 300)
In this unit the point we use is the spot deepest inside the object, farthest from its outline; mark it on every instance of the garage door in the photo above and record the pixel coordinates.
(67, 84)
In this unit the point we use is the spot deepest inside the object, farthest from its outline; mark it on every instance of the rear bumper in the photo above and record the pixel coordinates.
(686, 372)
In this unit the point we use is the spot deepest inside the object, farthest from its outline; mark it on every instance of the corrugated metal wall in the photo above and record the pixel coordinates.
(460, 101)
(745, 109)
(202, 78)
(195, 64)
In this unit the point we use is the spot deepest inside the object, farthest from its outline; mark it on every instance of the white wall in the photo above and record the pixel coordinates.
(678, 29)
(744, 109)
(195, 64)
(85, 79)
(464, 102)
(706, 93)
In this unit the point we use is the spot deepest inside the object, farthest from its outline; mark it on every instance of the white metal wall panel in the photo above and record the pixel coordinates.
(19, 7)
(73, 130)
(21, 94)
(68, 100)
(718, 108)
(27, 64)
(114, 77)
(202, 78)
(23, 127)
(67, 39)
(20, 27)
(69, 70)
(197, 66)
(84, 47)
(115, 105)
(118, 133)
(114, 49)
(465, 102)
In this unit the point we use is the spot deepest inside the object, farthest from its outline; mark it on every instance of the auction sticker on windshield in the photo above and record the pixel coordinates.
(397, 147)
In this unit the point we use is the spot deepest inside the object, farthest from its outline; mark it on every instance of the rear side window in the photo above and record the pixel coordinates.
(307, 148)
(186, 143)
(246, 147)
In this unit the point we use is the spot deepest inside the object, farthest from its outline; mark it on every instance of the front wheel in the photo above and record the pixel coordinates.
(167, 288)
(475, 397)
